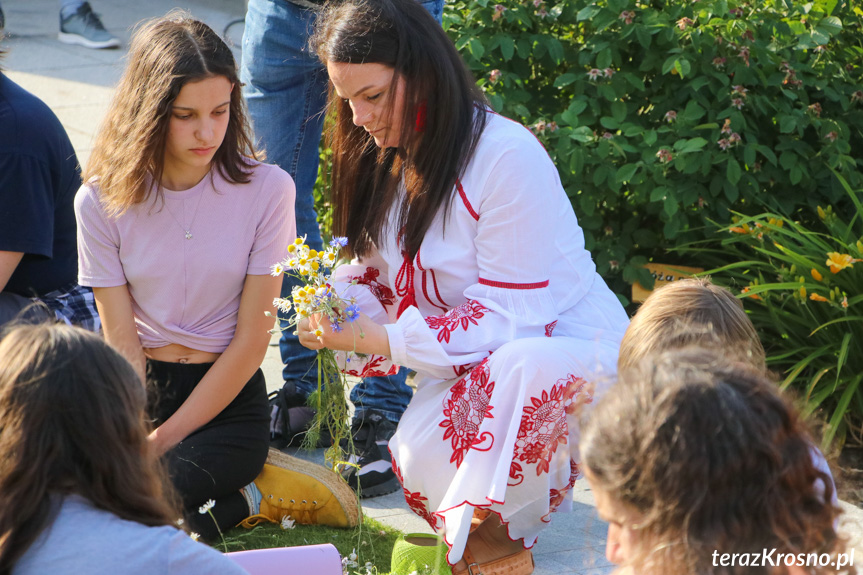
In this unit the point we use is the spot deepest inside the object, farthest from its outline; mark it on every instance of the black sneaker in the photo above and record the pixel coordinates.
(290, 418)
(373, 473)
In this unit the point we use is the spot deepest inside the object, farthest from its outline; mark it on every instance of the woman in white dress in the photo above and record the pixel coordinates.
(471, 270)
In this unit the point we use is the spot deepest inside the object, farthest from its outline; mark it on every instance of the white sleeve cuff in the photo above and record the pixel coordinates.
(398, 352)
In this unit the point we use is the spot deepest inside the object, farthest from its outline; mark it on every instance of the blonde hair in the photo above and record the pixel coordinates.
(166, 54)
(691, 311)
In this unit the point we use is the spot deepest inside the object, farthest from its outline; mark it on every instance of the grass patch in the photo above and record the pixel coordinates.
(373, 541)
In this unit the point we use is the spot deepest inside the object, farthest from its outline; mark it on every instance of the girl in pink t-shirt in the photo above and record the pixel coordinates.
(178, 227)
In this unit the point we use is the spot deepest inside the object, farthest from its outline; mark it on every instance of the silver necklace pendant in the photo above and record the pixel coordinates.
(188, 235)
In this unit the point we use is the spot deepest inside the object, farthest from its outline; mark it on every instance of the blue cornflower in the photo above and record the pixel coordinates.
(352, 312)
(336, 327)
(338, 242)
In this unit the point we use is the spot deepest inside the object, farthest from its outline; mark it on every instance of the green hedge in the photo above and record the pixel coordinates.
(661, 116)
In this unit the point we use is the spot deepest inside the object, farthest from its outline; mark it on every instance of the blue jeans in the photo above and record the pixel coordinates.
(286, 91)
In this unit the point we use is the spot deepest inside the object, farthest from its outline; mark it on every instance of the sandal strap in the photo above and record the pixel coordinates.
(519, 563)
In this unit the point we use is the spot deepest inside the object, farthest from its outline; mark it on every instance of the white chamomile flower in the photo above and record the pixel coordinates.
(194, 536)
(205, 508)
(287, 522)
(353, 555)
(180, 521)
(277, 269)
(319, 331)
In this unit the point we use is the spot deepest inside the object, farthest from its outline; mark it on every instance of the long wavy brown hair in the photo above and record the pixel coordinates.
(444, 115)
(711, 458)
(166, 54)
(71, 421)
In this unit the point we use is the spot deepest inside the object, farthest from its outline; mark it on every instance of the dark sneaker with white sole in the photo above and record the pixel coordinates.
(290, 419)
(372, 472)
(84, 28)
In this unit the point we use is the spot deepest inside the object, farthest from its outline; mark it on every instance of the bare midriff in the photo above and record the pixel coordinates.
(176, 353)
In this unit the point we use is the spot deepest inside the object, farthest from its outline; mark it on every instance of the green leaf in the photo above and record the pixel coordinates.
(626, 172)
(658, 193)
(555, 48)
(830, 25)
(603, 59)
(582, 134)
(634, 80)
(565, 80)
(795, 175)
(733, 173)
(507, 47)
(693, 112)
(476, 48)
(600, 174)
(609, 123)
(618, 111)
(650, 137)
(683, 67)
(587, 13)
(643, 35)
(670, 206)
(669, 64)
(689, 146)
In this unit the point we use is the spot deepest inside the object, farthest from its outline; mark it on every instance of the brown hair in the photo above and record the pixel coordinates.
(402, 35)
(166, 54)
(71, 421)
(691, 311)
(712, 458)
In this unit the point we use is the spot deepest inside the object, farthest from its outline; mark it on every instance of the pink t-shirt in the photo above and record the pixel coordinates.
(187, 291)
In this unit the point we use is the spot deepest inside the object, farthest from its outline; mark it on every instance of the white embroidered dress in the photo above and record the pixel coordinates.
(512, 331)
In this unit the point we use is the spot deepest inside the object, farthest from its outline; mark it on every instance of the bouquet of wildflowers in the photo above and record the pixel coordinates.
(316, 295)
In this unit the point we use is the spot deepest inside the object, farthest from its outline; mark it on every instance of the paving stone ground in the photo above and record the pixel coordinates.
(77, 83)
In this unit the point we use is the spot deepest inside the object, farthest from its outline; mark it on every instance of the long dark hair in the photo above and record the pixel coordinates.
(439, 92)
(166, 54)
(712, 459)
(71, 421)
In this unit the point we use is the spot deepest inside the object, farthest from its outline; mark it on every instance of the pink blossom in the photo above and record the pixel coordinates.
(684, 23)
(724, 144)
(670, 116)
(719, 62)
(737, 103)
(756, 167)
(857, 96)
(608, 135)
(537, 3)
(744, 54)
(552, 126)
(494, 76)
(627, 16)
(613, 264)
(608, 72)
(594, 74)
(736, 12)
(499, 9)
(664, 155)
(726, 127)
(815, 109)
(748, 35)
(734, 138)
(542, 12)
(539, 127)
(738, 91)
(701, 202)
(609, 231)
(832, 136)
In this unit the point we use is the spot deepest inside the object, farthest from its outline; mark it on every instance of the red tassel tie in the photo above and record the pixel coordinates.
(405, 285)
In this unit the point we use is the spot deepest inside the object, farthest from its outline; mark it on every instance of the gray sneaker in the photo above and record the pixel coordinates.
(85, 29)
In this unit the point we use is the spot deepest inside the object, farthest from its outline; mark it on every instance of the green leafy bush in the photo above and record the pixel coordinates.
(662, 115)
(803, 288)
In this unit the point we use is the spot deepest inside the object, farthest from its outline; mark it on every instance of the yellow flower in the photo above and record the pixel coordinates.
(298, 242)
(816, 297)
(744, 229)
(313, 253)
(844, 301)
(292, 248)
(839, 262)
(821, 213)
(319, 331)
(816, 275)
(803, 292)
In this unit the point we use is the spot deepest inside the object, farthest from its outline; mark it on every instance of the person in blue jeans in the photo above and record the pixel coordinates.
(286, 90)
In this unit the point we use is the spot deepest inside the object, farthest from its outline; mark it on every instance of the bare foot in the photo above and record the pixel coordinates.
(489, 542)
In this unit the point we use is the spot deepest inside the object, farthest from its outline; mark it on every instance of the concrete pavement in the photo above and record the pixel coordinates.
(77, 83)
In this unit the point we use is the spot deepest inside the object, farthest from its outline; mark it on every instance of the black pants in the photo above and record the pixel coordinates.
(220, 458)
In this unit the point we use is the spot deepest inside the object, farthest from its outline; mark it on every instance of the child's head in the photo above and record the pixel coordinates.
(166, 56)
(701, 455)
(71, 421)
(691, 311)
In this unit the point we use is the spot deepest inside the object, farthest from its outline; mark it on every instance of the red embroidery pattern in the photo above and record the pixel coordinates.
(463, 315)
(466, 404)
(550, 328)
(379, 290)
(556, 497)
(543, 425)
(371, 368)
(416, 501)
